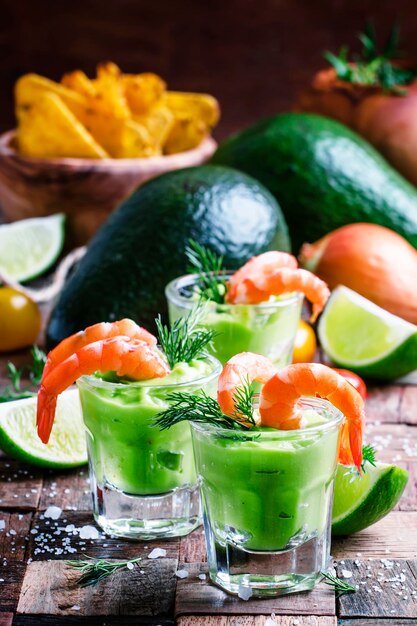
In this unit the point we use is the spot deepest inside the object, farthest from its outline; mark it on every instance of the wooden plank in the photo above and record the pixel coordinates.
(393, 442)
(395, 536)
(79, 620)
(51, 588)
(385, 588)
(14, 535)
(11, 579)
(201, 597)
(69, 491)
(379, 622)
(383, 404)
(257, 620)
(408, 501)
(60, 539)
(409, 405)
(20, 485)
(193, 547)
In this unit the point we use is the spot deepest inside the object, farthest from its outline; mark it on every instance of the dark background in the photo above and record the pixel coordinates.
(254, 55)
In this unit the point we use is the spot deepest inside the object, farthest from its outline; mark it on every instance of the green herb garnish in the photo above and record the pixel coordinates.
(14, 390)
(184, 340)
(209, 267)
(368, 456)
(94, 570)
(206, 410)
(340, 586)
(372, 68)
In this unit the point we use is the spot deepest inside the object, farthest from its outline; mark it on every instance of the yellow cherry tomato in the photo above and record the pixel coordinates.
(305, 343)
(20, 320)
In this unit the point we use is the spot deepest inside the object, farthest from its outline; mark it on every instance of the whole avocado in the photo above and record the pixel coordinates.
(323, 175)
(142, 246)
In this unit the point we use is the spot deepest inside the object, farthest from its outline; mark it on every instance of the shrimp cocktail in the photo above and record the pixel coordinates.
(255, 309)
(143, 480)
(266, 470)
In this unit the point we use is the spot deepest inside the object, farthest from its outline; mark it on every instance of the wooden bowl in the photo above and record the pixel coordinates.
(85, 189)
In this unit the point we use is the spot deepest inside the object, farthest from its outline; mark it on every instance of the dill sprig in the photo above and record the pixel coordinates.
(206, 410)
(340, 586)
(209, 267)
(368, 456)
(94, 570)
(14, 390)
(371, 67)
(184, 340)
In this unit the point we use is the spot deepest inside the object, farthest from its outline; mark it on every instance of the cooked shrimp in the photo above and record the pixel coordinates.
(261, 280)
(251, 277)
(279, 397)
(124, 355)
(102, 330)
(240, 368)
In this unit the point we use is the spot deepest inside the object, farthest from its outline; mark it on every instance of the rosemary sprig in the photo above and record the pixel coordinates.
(94, 570)
(14, 390)
(206, 410)
(368, 456)
(184, 340)
(372, 68)
(209, 267)
(340, 586)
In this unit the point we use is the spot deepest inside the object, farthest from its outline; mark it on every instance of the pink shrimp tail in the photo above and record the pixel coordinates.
(45, 414)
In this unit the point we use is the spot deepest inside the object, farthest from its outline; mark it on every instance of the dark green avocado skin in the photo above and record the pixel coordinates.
(142, 245)
(323, 175)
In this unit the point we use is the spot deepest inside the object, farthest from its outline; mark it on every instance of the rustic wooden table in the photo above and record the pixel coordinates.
(36, 587)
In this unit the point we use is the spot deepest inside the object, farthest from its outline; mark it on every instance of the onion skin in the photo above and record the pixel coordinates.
(373, 261)
(387, 121)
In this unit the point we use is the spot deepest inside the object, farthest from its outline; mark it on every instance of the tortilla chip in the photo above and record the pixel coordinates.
(186, 133)
(143, 91)
(199, 106)
(48, 129)
(158, 122)
(30, 87)
(79, 82)
(109, 97)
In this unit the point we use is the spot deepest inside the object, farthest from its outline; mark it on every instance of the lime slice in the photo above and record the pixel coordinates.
(357, 334)
(66, 447)
(360, 501)
(29, 247)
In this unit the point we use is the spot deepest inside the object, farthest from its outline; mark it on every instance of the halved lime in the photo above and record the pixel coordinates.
(360, 501)
(66, 447)
(29, 247)
(361, 336)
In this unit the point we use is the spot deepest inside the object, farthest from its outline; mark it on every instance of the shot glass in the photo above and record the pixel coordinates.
(267, 502)
(268, 328)
(143, 479)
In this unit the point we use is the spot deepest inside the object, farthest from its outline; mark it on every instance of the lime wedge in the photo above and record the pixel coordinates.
(66, 447)
(29, 247)
(360, 501)
(361, 336)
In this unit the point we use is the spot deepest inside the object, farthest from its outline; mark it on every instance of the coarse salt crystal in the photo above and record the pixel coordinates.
(2, 524)
(130, 565)
(156, 553)
(88, 532)
(346, 573)
(53, 512)
(270, 622)
(202, 576)
(75, 607)
(244, 593)
(181, 573)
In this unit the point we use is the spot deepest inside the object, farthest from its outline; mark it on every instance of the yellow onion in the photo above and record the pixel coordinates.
(372, 260)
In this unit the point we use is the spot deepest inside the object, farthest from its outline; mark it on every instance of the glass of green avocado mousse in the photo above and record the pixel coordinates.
(267, 501)
(143, 480)
(267, 328)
